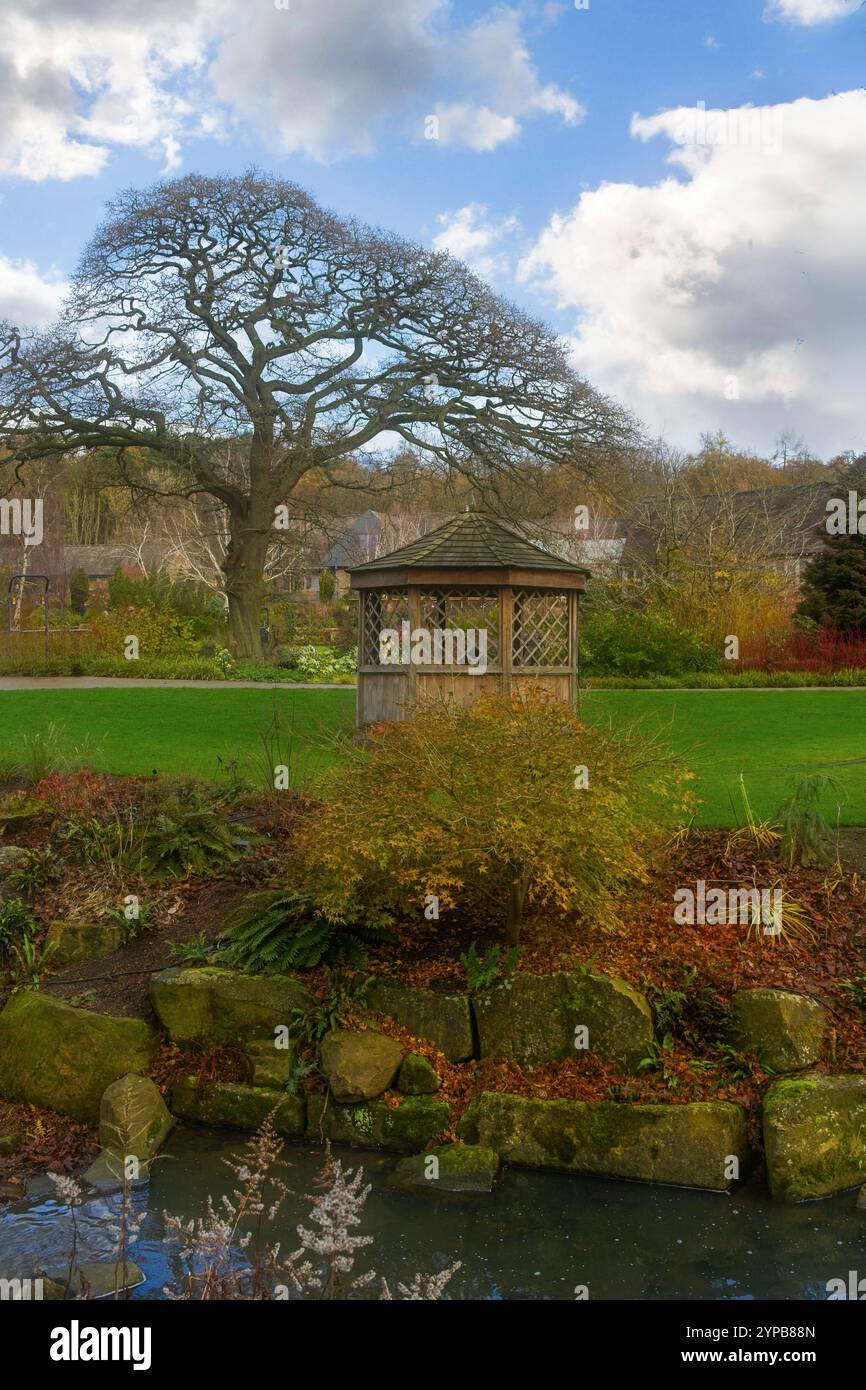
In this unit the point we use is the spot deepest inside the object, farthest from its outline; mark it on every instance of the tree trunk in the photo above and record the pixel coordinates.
(516, 900)
(244, 566)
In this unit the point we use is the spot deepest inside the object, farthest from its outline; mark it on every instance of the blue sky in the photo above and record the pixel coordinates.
(538, 175)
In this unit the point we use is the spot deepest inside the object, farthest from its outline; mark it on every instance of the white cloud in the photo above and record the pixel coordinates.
(476, 127)
(324, 78)
(79, 79)
(809, 11)
(743, 273)
(711, 42)
(28, 297)
(473, 238)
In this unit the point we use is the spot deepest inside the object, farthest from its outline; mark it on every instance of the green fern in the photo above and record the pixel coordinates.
(280, 929)
(182, 841)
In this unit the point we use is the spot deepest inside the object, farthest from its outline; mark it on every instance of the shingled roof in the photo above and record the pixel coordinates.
(472, 540)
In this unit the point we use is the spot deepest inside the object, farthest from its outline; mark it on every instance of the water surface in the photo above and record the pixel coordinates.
(539, 1236)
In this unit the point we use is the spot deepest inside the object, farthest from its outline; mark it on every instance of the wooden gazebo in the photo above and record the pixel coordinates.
(476, 574)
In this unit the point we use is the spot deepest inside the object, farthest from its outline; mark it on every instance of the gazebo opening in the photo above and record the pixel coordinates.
(473, 606)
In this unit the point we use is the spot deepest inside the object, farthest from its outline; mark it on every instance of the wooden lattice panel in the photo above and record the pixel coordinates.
(383, 609)
(464, 609)
(540, 629)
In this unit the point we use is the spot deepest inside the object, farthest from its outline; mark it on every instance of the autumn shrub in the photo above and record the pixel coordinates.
(747, 601)
(511, 798)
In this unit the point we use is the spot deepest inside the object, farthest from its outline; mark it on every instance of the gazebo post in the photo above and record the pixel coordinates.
(573, 618)
(414, 622)
(359, 684)
(506, 619)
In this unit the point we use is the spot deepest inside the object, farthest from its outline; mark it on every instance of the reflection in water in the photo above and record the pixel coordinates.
(538, 1237)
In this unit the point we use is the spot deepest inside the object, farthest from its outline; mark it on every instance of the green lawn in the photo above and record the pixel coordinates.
(769, 735)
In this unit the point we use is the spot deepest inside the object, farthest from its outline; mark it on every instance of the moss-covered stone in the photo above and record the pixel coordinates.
(226, 1104)
(784, 1030)
(699, 1145)
(448, 1170)
(20, 813)
(82, 940)
(444, 1020)
(63, 1058)
(133, 1118)
(417, 1076)
(271, 1065)
(375, 1125)
(11, 858)
(212, 1005)
(10, 1142)
(537, 1018)
(815, 1136)
(359, 1066)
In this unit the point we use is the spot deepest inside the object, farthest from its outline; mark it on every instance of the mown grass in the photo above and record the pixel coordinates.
(771, 736)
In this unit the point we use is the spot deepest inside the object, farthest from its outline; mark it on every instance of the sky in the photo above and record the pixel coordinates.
(678, 187)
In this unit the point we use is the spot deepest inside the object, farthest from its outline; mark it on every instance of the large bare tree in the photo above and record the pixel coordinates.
(208, 308)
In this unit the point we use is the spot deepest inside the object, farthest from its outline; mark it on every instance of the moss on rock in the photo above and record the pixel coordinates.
(82, 940)
(784, 1030)
(63, 1058)
(212, 1005)
(451, 1169)
(444, 1020)
(271, 1065)
(417, 1076)
(376, 1125)
(536, 1018)
(133, 1118)
(679, 1145)
(815, 1136)
(226, 1104)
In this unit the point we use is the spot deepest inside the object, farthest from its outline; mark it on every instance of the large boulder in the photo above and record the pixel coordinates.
(133, 1118)
(228, 1105)
(359, 1066)
(448, 1170)
(784, 1030)
(698, 1145)
(213, 1005)
(375, 1125)
(444, 1020)
(63, 1058)
(815, 1136)
(81, 940)
(542, 1018)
